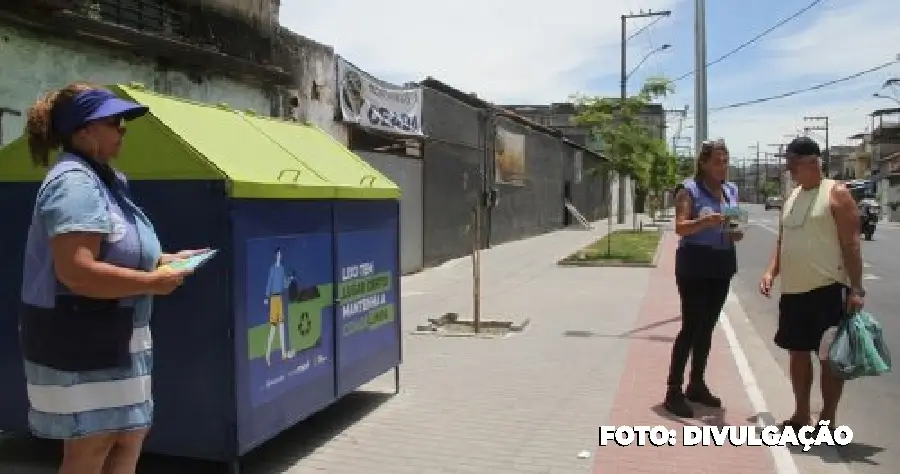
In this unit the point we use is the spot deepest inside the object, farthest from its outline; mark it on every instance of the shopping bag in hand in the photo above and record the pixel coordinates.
(859, 349)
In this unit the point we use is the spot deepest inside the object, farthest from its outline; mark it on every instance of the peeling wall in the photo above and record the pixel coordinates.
(315, 76)
(32, 65)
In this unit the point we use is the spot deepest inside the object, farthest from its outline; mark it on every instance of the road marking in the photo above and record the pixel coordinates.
(869, 276)
(784, 462)
(770, 229)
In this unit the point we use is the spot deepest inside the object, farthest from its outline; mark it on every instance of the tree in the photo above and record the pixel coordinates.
(663, 174)
(620, 127)
(622, 132)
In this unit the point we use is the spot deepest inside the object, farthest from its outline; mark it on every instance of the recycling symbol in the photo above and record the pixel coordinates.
(305, 325)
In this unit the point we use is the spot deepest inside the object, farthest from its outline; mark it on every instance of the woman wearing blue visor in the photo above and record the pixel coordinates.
(91, 267)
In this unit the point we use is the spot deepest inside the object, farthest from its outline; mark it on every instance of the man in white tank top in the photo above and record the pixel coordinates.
(820, 263)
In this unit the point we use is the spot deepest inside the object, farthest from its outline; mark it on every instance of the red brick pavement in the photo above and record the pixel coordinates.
(642, 387)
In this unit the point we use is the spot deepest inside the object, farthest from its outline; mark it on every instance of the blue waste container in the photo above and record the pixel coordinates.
(301, 306)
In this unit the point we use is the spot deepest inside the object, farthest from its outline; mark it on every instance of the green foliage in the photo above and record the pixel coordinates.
(769, 188)
(685, 168)
(621, 128)
(663, 168)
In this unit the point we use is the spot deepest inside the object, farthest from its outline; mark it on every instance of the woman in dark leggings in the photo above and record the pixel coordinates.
(704, 265)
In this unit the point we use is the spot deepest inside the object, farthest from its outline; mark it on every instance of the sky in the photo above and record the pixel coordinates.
(538, 52)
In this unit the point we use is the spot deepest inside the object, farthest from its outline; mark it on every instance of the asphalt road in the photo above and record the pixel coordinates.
(871, 406)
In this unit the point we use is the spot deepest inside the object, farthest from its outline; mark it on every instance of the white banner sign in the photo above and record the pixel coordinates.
(377, 105)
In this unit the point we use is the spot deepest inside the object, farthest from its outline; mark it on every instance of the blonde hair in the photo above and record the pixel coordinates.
(706, 151)
(42, 138)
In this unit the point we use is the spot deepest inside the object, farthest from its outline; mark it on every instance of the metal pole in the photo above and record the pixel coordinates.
(756, 180)
(700, 118)
(476, 268)
(827, 165)
(620, 211)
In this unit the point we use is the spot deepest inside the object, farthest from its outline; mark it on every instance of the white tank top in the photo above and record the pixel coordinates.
(811, 254)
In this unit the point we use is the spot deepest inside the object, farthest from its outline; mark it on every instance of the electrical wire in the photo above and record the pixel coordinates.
(754, 39)
(807, 89)
(643, 28)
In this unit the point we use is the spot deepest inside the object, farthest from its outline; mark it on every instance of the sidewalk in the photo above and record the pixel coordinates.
(595, 353)
(641, 390)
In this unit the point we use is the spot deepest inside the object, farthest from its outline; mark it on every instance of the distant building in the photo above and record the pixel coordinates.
(838, 156)
(562, 116)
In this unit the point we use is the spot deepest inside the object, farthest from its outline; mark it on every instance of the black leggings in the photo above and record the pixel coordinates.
(702, 300)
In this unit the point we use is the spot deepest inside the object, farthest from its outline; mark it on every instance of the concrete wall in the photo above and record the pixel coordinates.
(629, 195)
(315, 77)
(454, 157)
(536, 206)
(31, 65)
(407, 173)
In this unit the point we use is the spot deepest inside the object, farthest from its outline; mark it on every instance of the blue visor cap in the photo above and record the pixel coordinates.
(92, 105)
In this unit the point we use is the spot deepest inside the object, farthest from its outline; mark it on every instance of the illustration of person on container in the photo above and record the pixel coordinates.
(276, 287)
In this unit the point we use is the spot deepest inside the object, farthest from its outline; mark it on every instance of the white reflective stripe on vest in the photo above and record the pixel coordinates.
(141, 340)
(89, 396)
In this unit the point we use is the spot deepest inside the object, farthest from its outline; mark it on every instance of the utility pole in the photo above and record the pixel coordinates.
(622, 93)
(756, 180)
(675, 137)
(826, 153)
(700, 119)
(780, 156)
(756, 189)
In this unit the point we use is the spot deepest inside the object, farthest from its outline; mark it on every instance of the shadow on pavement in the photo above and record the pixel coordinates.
(629, 334)
(859, 453)
(854, 453)
(33, 456)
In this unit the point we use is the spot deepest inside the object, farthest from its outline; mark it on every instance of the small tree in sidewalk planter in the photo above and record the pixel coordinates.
(623, 133)
(663, 175)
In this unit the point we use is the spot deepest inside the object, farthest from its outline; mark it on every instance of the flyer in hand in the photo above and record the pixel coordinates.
(193, 262)
(738, 218)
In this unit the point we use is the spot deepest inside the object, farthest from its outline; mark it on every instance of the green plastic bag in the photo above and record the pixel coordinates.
(859, 349)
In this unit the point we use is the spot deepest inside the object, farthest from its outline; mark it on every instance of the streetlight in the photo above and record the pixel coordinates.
(647, 56)
(622, 85)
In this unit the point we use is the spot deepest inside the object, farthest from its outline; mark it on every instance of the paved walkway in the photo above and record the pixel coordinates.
(595, 353)
(641, 390)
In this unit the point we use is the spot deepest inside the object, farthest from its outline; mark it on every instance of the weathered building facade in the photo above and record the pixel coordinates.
(209, 51)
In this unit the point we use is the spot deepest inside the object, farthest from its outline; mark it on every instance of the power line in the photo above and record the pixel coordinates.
(808, 89)
(648, 25)
(754, 39)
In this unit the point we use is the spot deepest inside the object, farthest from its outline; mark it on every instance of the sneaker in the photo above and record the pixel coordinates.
(677, 404)
(701, 394)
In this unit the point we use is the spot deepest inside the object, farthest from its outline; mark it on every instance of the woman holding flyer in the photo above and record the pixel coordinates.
(705, 262)
(92, 264)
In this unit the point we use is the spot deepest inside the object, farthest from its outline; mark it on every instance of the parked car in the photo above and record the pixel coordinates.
(774, 202)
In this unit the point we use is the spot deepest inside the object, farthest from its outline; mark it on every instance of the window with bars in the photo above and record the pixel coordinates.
(156, 16)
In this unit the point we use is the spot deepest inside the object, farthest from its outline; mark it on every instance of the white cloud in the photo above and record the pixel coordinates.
(532, 51)
(846, 36)
(504, 50)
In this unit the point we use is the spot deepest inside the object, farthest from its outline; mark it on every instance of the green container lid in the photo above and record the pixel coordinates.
(260, 158)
